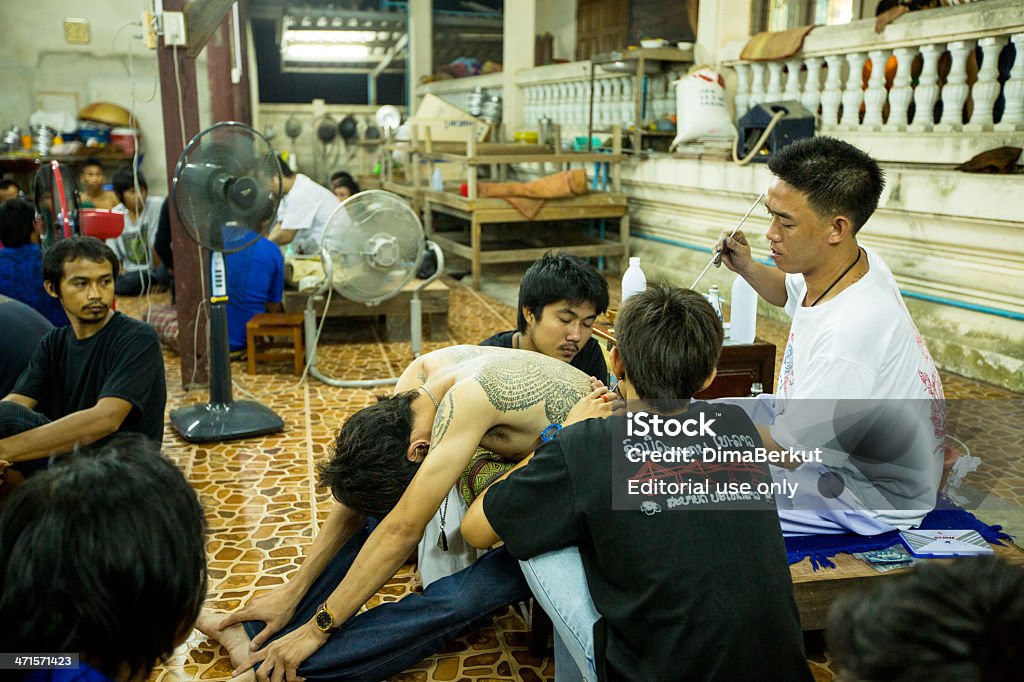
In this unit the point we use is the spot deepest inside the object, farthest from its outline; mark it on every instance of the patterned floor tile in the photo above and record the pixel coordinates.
(263, 505)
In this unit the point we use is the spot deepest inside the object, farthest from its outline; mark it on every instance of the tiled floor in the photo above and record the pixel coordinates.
(263, 507)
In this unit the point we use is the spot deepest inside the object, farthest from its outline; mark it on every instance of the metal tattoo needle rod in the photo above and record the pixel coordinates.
(718, 256)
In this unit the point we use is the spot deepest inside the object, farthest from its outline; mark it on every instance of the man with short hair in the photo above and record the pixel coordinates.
(956, 620)
(560, 297)
(102, 374)
(9, 190)
(92, 177)
(303, 212)
(103, 556)
(343, 185)
(141, 267)
(638, 588)
(851, 338)
(398, 461)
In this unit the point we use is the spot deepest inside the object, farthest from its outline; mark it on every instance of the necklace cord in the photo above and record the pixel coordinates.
(836, 281)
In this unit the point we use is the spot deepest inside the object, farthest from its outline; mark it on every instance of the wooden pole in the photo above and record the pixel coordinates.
(180, 99)
(226, 62)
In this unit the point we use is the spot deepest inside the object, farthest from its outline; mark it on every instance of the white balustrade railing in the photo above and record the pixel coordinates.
(562, 92)
(904, 90)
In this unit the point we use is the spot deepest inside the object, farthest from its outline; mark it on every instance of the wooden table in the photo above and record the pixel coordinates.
(739, 366)
(815, 591)
(491, 211)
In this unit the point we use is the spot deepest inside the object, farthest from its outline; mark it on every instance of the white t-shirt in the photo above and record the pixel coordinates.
(433, 562)
(862, 347)
(134, 247)
(306, 207)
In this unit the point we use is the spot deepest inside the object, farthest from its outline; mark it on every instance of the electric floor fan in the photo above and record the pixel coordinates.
(373, 246)
(223, 191)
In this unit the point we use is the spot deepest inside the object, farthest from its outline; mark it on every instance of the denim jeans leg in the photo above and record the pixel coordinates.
(385, 640)
(322, 587)
(560, 587)
(566, 669)
(130, 283)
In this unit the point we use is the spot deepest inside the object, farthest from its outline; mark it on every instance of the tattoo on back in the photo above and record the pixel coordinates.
(456, 354)
(512, 385)
(443, 420)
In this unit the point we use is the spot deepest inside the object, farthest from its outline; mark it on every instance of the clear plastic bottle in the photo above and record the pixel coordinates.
(743, 314)
(633, 280)
(437, 180)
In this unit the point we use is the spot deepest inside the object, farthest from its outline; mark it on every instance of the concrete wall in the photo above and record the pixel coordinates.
(114, 67)
(952, 240)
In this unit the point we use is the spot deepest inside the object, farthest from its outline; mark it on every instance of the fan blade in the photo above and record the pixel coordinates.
(223, 187)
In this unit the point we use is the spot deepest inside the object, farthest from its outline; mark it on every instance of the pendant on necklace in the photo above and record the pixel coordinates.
(442, 541)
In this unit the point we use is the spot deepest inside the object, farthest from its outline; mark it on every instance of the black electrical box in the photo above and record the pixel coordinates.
(795, 123)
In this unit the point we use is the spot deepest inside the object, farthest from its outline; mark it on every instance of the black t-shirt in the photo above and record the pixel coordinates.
(694, 594)
(590, 359)
(122, 360)
(21, 327)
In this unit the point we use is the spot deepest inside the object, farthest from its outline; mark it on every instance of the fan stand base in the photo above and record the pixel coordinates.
(225, 421)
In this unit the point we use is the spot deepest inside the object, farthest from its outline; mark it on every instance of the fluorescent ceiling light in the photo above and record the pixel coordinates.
(325, 52)
(329, 36)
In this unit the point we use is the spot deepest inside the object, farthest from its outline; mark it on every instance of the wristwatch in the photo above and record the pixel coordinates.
(324, 619)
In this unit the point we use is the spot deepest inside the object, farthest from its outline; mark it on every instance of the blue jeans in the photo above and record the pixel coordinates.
(136, 282)
(16, 418)
(560, 587)
(394, 636)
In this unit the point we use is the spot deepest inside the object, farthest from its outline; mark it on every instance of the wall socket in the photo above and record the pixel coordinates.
(174, 29)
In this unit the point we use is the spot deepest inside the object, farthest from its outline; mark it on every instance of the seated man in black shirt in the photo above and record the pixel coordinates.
(560, 296)
(649, 587)
(102, 374)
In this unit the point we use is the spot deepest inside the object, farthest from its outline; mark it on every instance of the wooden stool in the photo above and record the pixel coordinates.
(275, 324)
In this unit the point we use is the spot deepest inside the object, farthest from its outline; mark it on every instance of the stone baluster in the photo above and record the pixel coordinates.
(902, 93)
(627, 106)
(742, 89)
(582, 102)
(874, 98)
(793, 68)
(927, 90)
(1013, 91)
(615, 102)
(774, 93)
(853, 94)
(954, 92)
(605, 87)
(565, 104)
(986, 89)
(757, 95)
(811, 96)
(570, 105)
(833, 93)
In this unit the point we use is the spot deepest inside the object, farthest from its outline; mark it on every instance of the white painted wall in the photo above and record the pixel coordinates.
(36, 59)
(557, 17)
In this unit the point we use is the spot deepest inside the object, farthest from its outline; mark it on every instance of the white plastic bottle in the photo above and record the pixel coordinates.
(715, 299)
(743, 315)
(633, 280)
(437, 180)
